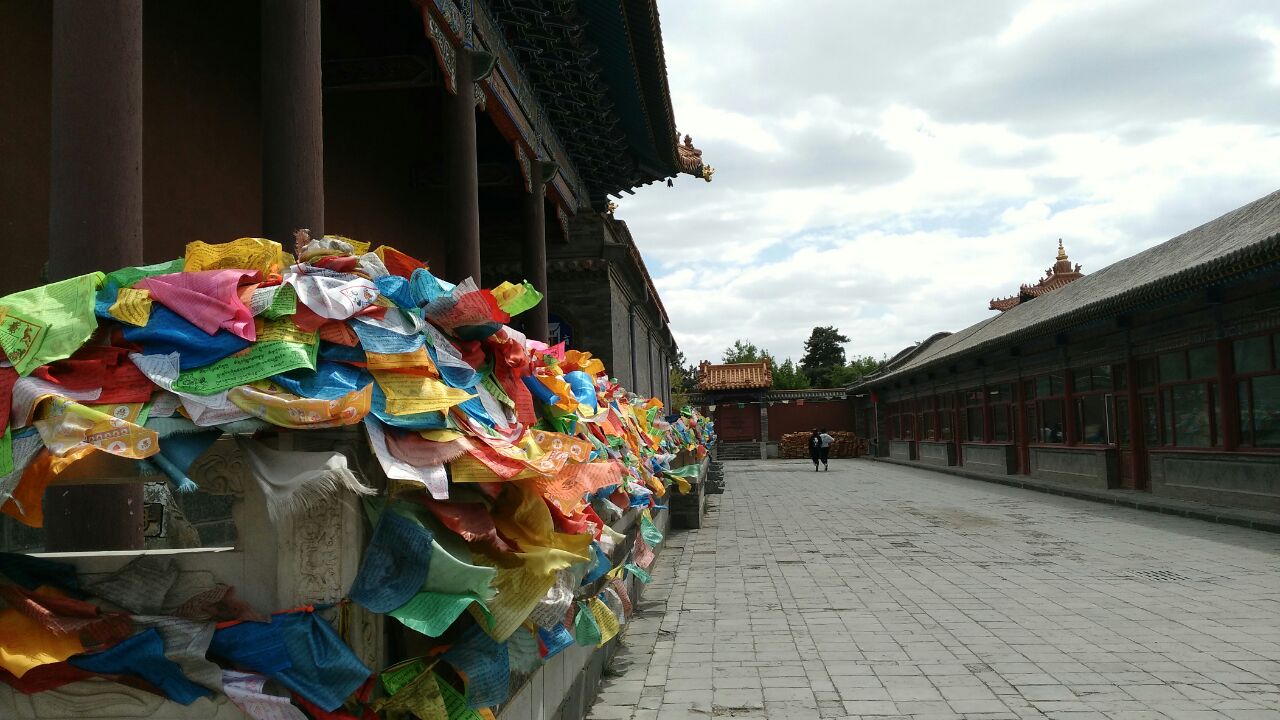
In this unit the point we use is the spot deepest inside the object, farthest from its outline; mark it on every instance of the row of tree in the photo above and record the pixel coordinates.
(823, 365)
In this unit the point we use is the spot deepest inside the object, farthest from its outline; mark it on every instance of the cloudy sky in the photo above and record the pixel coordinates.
(889, 167)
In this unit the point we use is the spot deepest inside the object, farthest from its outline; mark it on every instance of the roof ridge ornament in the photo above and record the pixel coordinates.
(1057, 275)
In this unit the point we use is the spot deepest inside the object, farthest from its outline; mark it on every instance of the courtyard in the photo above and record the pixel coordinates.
(876, 590)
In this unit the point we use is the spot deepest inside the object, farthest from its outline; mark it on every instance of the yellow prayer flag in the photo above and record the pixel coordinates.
(519, 590)
(132, 306)
(467, 469)
(409, 394)
(418, 360)
(605, 620)
(440, 435)
(26, 644)
(259, 254)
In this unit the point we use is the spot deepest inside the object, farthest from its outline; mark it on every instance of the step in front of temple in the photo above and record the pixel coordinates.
(739, 451)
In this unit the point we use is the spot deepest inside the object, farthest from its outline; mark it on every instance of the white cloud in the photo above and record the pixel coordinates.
(889, 168)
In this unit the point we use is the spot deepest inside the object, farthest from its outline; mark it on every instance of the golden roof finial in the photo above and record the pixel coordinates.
(1062, 254)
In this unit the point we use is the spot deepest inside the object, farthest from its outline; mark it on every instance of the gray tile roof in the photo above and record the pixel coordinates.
(1243, 239)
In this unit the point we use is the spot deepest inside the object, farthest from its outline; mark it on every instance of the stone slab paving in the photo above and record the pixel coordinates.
(880, 591)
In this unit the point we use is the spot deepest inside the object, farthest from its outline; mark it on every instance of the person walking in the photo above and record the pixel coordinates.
(824, 449)
(815, 448)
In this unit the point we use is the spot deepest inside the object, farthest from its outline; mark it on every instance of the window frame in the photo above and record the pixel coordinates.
(1107, 395)
(975, 401)
(1166, 404)
(1040, 398)
(1244, 400)
(1003, 405)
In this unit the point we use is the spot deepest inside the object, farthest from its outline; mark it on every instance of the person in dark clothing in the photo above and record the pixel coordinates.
(824, 448)
(815, 448)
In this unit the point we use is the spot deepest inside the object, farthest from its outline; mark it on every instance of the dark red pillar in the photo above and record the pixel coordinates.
(535, 252)
(292, 120)
(95, 214)
(458, 127)
(95, 193)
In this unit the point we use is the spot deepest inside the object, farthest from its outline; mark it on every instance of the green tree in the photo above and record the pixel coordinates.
(742, 351)
(865, 365)
(679, 390)
(788, 376)
(823, 354)
(687, 371)
(854, 370)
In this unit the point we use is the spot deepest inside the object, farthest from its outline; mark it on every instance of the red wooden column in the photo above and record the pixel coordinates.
(1137, 443)
(95, 214)
(461, 174)
(292, 120)
(1228, 402)
(534, 251)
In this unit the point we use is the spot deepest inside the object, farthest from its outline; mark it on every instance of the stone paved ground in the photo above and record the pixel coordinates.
(876, 590)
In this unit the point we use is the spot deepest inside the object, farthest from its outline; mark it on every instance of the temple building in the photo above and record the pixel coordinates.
(751, 416)
(1055, 277)
(1159, 374)
(485, 137)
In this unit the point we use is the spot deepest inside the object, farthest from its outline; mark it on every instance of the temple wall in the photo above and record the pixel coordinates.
(1235, 479)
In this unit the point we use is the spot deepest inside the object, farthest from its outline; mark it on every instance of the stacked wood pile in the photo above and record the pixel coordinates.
(847, 445)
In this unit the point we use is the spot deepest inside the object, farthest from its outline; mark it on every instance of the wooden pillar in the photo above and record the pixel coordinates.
(1137, 443)
(1228, 423)
(292, 120)
(95, 214)
(95, 193)
(462, 183)
(535, 252)
(764, 426)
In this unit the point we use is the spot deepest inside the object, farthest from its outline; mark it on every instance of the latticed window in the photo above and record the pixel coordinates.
(974, 427)
(1000, 409)
(1188, 403)
(1050, 393)
(1256, 364)
(1092, 390)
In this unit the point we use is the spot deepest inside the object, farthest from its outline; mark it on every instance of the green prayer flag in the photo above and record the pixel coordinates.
(261, 360)
(395, 678)
(456, 703)
(496, 391)
(640, 574)
(585, 630)
(6, 451)
(413, 689)
(688, 472)
(431, 613)
(48, 323)
(650, 532)
(522, 301)
(129, 276)
(283, 303)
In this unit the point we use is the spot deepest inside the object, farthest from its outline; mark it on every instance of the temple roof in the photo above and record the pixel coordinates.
(600, 72)
(735, 376)
(623, 233)
(691, 160)
(1057, 276)
(1243, 240)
